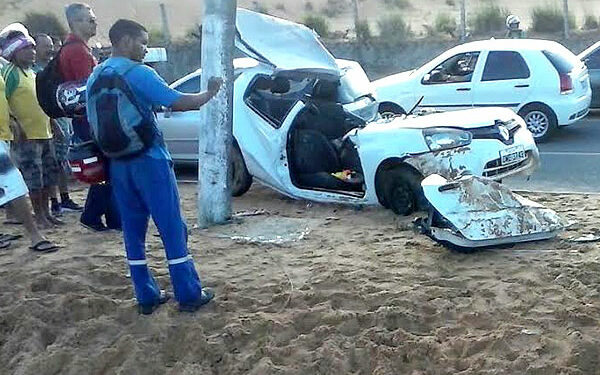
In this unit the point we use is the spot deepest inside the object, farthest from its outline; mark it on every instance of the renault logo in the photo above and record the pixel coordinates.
(504, 132)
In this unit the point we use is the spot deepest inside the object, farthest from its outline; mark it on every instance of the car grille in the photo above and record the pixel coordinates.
(493, 168)
(493, 132)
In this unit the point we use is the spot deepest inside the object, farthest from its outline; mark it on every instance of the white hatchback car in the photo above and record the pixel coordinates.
(307, 125)
(541, 80)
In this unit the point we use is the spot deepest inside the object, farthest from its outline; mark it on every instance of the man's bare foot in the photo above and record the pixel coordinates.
(54, 220)
(43, 223)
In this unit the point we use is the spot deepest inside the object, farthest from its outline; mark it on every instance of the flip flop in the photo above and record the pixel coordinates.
(4, 245)
(44, 246)
(9, 237)
(12, 222)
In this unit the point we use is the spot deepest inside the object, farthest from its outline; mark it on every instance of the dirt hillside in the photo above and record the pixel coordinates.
(183, 14)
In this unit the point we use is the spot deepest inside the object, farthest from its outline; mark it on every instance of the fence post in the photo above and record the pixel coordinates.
(463, 21)
(165, 23)
(566, 18)
(216, 119)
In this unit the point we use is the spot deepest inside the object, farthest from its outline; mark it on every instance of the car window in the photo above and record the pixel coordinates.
(458, 68)
(273, 98)
(593, 60)
(191, 86)
(562, 64)
(504, 65)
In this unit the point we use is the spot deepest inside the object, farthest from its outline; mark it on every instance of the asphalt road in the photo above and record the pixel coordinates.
(570, 161)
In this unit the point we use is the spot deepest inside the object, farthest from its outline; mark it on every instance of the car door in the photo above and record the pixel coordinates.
(180, 129)
(449, 86)
(592, 61)
(506, 80)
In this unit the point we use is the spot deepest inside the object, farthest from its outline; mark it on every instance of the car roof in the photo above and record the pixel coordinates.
(509, 44)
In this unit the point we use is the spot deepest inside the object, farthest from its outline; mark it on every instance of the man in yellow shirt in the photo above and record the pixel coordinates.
(13, 190)
(33, 150)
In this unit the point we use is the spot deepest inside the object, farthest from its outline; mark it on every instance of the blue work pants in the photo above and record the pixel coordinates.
(144, 187)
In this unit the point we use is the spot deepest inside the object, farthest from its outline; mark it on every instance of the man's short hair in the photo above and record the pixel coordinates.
(123, 28)
(73, 12)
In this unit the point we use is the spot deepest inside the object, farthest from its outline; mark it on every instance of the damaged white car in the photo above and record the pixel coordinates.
(307, 125)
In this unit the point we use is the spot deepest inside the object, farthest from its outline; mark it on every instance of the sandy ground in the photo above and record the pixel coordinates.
(361, 293)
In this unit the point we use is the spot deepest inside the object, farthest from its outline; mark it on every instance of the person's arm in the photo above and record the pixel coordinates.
(57, 130)
(189, 102)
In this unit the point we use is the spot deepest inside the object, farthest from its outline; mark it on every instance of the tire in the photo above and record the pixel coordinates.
(401, 190)
(541, 121)
(390, 110)
(240, 179)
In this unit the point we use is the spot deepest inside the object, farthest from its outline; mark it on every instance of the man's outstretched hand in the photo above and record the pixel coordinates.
(214, 84)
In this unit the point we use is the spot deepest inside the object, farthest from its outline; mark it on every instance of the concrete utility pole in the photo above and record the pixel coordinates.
(566, 18)
(214, 192)
(463, 21)
(165, 23)
(356, 16)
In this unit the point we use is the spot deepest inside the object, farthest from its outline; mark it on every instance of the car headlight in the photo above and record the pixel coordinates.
(439, 139)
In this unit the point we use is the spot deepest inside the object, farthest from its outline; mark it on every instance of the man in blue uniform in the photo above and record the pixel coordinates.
(144, 185)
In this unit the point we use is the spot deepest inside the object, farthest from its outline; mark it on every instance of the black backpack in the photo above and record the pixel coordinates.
(47, 82)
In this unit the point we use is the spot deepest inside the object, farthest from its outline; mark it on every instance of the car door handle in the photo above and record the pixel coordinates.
(521, 86)
(463, 89)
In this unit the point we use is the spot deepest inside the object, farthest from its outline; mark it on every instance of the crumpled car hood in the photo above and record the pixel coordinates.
(481, 212)
(285, 45)
(465, 119)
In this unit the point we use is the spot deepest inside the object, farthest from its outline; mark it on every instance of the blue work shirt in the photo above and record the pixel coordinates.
(152, 91)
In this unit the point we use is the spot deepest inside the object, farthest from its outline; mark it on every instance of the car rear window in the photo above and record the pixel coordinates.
(562, 64)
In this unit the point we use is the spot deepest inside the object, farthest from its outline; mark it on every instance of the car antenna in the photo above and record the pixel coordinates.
(415, 106)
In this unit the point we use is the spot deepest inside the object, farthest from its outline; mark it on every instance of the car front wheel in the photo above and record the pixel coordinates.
(401, 190)
(540, 120)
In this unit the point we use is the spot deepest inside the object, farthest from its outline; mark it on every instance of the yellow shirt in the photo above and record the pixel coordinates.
(22, 99)
(5, 132)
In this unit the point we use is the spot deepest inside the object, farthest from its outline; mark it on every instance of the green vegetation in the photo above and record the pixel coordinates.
(363, 31)
(393, 28)
(400, 4)
(47, 23)
(590, 22)
(317, 23)
(549, 18)
(445, 24)
(488, 18)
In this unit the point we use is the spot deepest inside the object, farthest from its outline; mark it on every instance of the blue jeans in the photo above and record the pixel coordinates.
(145, 187)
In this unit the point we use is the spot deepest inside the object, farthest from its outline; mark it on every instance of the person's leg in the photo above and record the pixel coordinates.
(21, 209)
(135, 225)
(49, 177)
(156, 183)
(92, 211)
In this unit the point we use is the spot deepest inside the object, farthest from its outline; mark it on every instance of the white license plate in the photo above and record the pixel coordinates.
(512, 155)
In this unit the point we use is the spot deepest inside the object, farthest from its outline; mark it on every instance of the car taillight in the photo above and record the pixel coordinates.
(566, 84)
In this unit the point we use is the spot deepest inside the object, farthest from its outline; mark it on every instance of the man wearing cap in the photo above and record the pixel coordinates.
(33, 150)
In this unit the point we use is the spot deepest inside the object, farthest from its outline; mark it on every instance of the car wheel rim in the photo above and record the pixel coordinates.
(537, 123)
(388, 115)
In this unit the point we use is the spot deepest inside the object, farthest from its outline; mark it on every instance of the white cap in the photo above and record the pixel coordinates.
(512, 20)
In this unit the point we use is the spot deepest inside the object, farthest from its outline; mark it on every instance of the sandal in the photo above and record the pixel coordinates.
(4, 245)
(44, 246)
(206, 296)
(9, 237)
